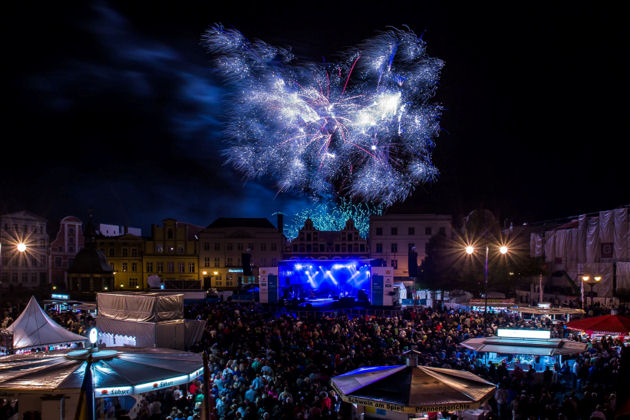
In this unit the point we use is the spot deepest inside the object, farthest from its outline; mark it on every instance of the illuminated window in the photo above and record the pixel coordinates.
(206, 261)
(124, 267)
(181, 267)
(191, 267)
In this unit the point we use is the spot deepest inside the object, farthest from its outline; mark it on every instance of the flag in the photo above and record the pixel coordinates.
(85, 407)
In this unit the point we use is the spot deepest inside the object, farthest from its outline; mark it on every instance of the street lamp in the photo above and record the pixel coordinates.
(503, 250)
(591, 282)
(21, 247)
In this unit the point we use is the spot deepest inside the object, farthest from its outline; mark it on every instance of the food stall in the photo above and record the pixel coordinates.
(524, 348)
(545, 310)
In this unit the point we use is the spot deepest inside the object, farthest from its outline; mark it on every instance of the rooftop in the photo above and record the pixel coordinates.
(239, 222)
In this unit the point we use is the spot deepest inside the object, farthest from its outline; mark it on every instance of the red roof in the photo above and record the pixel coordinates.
(602, 324)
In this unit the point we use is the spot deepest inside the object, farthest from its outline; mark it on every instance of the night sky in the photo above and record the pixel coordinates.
(114, 106)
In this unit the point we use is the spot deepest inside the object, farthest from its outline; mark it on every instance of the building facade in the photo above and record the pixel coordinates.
(67, 243)
(392, 236)
(89, 272)
(223, 243)
(124, 255)
(24, 256)
(172, 254)
(313, 243)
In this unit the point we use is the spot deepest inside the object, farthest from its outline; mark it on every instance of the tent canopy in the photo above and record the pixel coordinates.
(35, 328)
(123, 371)
(141, 306)
(413, 389)
(606, 324)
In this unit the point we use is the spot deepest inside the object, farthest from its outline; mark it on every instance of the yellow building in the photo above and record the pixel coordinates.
(172, 254)
(124, 254)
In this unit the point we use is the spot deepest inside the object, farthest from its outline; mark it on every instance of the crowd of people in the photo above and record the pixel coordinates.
(266, 364)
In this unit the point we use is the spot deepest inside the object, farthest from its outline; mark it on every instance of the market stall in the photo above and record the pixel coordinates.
(557, 314)
(50, 383)
(524, 348)
(411, 391)
(34, 330)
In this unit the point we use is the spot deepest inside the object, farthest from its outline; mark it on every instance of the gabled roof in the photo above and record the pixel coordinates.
(90, 260)
(35, 328)
(232, 222)
(23, 214)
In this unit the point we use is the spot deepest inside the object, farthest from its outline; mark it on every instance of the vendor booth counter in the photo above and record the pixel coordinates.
(524, 348)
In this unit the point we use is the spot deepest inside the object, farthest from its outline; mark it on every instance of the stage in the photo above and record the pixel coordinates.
(327, 284)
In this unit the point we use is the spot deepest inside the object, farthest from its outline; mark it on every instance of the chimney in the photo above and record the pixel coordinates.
(280, 222)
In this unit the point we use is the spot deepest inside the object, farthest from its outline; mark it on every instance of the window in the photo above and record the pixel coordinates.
(411, 230)
(125, 252)
(170, 267)
(206, 261)
(337, 248)
(14, 277)
(206, 246)
(71, 230)
(60, 249)
(229, 246)
(217, 246)
(217, 262)
(134, 252)
(321, 247)
(263, 246)
(250, 246)
(159, 248)
(133, 283)
(41, 229)
(24, 275)
(160, 267)
(149, 267)
(379, 248)
(134, 267)
(229, 262)
(427, 230)
(5, 277)
(442, 231)
(191, 267)
(57, 262)
(34, 278)
(169, 234)
(395, 264)
(362, 247)
(181, 267)
(124, 267)
(180, 249)
(274, 246)
(308, 236)
(239, 247)
(379, 231)
(71, 249)
(394, 247)
(394, 231)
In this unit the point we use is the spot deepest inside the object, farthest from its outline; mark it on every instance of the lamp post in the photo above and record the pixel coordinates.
(503, 249)
(591, 282)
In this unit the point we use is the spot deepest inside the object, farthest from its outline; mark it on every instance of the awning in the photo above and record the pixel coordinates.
(605, 324)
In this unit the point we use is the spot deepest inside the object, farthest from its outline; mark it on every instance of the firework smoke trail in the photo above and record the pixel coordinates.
(361, 129)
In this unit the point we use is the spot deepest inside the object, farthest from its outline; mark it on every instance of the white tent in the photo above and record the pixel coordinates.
(34, 328)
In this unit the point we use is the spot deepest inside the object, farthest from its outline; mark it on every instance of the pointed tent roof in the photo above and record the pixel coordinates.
(35, 328)
(413, 389)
